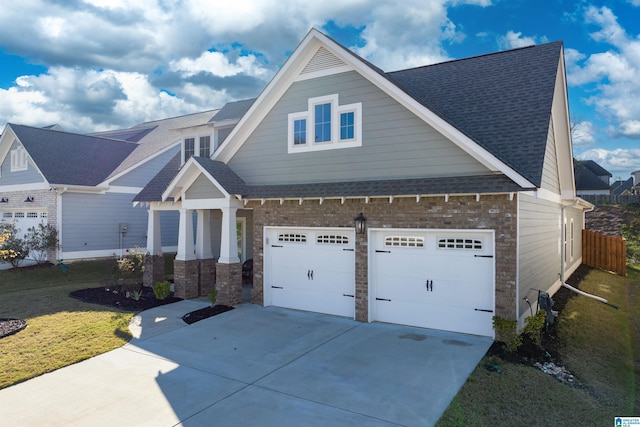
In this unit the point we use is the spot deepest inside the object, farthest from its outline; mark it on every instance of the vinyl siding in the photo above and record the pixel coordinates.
(202, 188)
(90, 222)
(396, 144)
(29, 176)
(550, 176)
(539, 248)
(140, 176)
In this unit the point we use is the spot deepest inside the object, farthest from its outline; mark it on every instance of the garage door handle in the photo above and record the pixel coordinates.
(383, 299)
(276, 246)
(276, 287)
(429, 285)
(483, 256)
(482, 309)
(382, 252)
(347, 295)
(344, 249)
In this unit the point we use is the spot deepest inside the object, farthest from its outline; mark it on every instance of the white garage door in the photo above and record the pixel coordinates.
(310, 269)
(23, 220)
(433, 279)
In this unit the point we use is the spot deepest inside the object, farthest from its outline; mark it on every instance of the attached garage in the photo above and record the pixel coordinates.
(310, 269)
(24, 219)
(439, 279)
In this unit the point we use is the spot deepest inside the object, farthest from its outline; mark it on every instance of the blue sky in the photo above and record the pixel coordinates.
(92, 65)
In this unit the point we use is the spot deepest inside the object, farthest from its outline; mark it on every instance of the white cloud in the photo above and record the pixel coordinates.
(114, 63)
(513, 40)
(583, 134)
(619, 161)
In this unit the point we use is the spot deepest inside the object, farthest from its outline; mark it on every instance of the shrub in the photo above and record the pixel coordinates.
(41, 239)
(533, 327)
(161, 290)
(131, 269)
(213, 296)
(507, 333)
(12, 248)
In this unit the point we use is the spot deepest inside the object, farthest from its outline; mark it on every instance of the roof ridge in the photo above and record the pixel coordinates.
(482, 55)
(175, 117)
(71, 133)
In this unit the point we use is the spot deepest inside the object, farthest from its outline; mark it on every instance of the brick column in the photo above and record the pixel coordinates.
(229, 283)
(362, 278)
(153, 270)
(207, 276)
(185, 278)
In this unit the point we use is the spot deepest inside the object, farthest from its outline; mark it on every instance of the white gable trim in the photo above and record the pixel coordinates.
(290, 72)
(186, 177)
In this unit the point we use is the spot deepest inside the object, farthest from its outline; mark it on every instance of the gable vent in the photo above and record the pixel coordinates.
(322, 60)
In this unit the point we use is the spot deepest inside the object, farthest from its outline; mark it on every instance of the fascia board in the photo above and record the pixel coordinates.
(289, 72)
(186, 177)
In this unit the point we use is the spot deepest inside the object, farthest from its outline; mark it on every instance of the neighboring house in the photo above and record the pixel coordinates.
(463, 171)
(84, 184)
(591, 178)
(622, 188)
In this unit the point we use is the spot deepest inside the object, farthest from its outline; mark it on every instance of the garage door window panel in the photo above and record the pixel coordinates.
(330, 239)
(460, 243)
(404, 242)
(292, 238)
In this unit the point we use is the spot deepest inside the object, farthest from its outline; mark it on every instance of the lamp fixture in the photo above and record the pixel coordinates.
(4, 200)
(29, 199)
(360, 222)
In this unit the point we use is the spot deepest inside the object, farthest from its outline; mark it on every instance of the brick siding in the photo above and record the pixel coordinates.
(491, 212)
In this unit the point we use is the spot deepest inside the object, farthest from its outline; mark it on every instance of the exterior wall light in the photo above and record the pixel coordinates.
(4, 200)
(29, 199)
(361, 223)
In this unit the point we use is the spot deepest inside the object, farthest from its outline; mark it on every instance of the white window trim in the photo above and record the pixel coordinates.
(18, 159)
(197, 144)
(309, 116)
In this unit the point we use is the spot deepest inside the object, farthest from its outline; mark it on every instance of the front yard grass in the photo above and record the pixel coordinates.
(61, 330)
(599, 344)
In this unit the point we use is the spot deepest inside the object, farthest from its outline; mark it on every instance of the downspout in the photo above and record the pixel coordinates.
(563, 242)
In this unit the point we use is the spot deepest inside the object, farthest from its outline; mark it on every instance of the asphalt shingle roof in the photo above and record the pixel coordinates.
(152, 192)
(594, 167)
(233, 110)
(72, 159)
(502, 101)
(586, 179)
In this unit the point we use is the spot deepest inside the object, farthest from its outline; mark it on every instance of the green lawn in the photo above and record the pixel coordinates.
(61, 330)
(600, 345)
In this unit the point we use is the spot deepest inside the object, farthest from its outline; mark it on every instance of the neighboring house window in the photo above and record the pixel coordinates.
(326, 125)
(205, 146)
(189, 148)
(18, 160)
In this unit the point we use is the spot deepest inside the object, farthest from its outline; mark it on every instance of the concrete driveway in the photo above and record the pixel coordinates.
(254, 366)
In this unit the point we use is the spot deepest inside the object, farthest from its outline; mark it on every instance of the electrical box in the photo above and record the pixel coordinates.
(123, 227)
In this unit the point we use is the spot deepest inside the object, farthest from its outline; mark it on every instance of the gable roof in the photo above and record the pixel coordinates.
(155, 187)
(69, 158)
(594, 167)
(502, 101)
(233, 110)
(620, 186)
(496, 107)
(586, 179)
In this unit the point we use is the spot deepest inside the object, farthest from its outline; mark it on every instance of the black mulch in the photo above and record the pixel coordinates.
(112, 298)
(11, 326)
(529, 353)
(205, 313)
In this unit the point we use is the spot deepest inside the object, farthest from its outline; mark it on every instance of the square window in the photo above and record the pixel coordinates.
(347, 125)
(323, 122)
(300, 132)
(205, 146)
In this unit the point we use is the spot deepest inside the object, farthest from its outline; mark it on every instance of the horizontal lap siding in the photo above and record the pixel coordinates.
(540, 252)
(202, 188)
(90, 222)
(396, 144)
(550, 177)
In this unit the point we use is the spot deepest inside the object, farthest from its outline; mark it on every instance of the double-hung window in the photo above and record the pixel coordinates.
(205, 146)
(189, 148)
(325, 125)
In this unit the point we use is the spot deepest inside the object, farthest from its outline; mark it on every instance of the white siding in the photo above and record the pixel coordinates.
(550, 176)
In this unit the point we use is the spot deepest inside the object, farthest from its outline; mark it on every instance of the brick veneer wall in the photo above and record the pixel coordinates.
(42, 199)
(491, 212)
(229, 283)
(185, 278)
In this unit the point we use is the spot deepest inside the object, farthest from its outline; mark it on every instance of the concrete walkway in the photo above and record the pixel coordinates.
(253, 366)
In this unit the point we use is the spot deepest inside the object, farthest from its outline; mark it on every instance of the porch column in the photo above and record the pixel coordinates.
(229, 239)
(185, 266)
(206, 263)
(153, 260)
(154, 243)
(228, 268)
(186, 249)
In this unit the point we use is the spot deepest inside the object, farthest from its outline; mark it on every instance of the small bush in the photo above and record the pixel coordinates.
(213, 296)
(161, 290)
(41, 239)
(131, 269)
(533, 327)
(12, 248)
(507, 333)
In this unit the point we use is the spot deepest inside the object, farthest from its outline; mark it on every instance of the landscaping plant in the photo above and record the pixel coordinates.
(161, 290)
(41, 239)
(12, 248)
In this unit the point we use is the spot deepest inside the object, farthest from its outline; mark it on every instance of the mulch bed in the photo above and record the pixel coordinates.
(11, 326)
(205, 313)
(529, 353)
(112, 298)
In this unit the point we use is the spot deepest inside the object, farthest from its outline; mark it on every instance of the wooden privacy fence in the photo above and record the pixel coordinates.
(604, 252)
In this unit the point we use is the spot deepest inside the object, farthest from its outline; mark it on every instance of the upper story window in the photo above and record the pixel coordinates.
(18, 159)
(326, 125)
(205, 146)
(189, 148)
